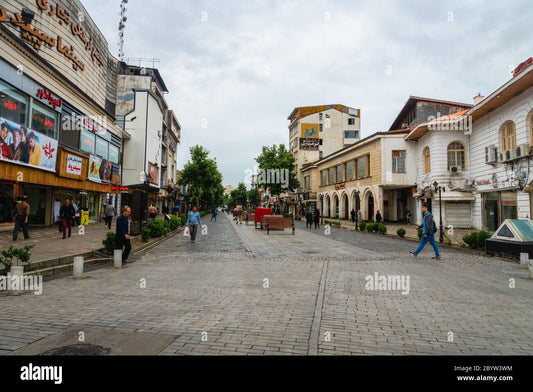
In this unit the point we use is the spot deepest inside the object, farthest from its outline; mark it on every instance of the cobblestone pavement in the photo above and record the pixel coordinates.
(238, 291)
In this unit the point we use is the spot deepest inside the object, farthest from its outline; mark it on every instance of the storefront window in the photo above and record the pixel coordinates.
(37, 202)
(101, 148)
(13, 105)
(44, 120)
(490, 202)
(87, 142)
(113, 153)
(509, 207)
(7, 201)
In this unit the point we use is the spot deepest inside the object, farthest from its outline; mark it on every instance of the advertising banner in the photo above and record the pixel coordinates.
(27, 147)
(310, 131)
(100, 170)
(74, 164)
(309, 144)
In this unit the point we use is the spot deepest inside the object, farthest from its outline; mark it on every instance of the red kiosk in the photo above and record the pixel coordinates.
(259, 212)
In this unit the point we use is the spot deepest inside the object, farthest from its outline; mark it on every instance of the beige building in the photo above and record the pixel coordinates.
(318, 131)
(376, 173)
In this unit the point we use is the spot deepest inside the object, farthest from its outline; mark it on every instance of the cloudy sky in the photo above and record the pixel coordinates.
(235, 69)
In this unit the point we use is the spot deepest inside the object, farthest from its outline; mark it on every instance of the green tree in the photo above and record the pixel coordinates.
(277, 159)
(204, 178)
(239, 195)
(254, 197)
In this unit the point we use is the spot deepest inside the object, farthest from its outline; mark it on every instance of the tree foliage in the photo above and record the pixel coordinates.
(277, 157)
(254, 197)
(204, 178)
(239, 195)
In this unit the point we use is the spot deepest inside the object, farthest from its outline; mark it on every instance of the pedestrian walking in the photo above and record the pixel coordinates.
(352, 213)
(317, 218)
(67, 214)
(109, 214)
(359, 219)
(239, 216)
(428, 233)
(20, 214)
(379, 218)
(214, 214)
(193, 221)
(309, 219)
(122, 236)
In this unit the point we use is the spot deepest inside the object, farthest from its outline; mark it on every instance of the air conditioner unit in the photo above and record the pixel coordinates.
(523, 150)
(507, 155)
(490, 154)
(455, 169)
(501, 157)
(512, 153)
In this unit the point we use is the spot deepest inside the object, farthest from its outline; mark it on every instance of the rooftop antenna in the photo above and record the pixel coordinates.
(121, 27)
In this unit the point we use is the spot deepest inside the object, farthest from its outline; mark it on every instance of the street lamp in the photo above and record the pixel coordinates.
(440, 188)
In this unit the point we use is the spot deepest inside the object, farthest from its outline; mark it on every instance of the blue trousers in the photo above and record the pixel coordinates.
(431, 239)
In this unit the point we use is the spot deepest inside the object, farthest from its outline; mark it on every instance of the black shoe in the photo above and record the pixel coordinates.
(413, 253)
(436, 257)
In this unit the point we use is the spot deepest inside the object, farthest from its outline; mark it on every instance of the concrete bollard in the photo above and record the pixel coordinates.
(17, 270)
(77, 271)
(530, 265)
(524, 258)
(117, 254)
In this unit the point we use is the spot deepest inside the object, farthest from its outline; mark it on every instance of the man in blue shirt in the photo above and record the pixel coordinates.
(193, 221)
(122, 237)
(428, 233)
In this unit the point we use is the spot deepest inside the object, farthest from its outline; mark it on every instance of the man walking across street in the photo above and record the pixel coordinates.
(214, 214)
(352, 213)
(20, 213)
(122, 237)
(309, 219)
(109, 214)
(67, 214)
(193, 221)
(428, 234)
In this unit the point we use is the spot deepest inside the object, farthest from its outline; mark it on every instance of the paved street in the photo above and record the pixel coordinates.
(239, 291)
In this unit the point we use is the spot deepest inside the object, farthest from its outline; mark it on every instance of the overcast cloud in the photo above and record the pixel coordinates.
(247, 66)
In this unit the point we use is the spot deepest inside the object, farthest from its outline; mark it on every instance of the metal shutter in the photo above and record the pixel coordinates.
(459, 214)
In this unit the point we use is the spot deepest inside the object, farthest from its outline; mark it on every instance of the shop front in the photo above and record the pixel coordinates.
(498, 206)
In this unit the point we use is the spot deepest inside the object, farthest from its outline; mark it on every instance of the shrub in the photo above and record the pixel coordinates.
(401, 232)
(158, 227)
(382, 229)
(183, 219)
(146, 234)
(362, 226)
(174, 222)
(297, 217)
(287, 215)
(375, 227)
(110, 242)
(476, 240)
(21, 255)
(370, 227)
(203, 213)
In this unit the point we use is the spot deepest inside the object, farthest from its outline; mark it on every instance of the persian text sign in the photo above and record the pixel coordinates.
(74, 164)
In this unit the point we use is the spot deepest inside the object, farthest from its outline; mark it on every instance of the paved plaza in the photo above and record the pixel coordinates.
(239, 291)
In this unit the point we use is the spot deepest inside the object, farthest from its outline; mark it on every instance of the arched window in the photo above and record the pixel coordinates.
(531, 128)
(456, 155)
(427, 160)
(508, 136)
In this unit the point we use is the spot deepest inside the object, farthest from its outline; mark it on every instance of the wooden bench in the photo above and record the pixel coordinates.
(249, 217)
(279, 222)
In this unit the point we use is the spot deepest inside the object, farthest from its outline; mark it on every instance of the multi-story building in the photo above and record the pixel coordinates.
(169, 155)
(57, 110)
(318, 131)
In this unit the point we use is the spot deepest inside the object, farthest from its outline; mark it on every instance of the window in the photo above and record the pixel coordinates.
(350, 134)
(398, 161)
(324, 177)
(351, 121)
(508, 135)
(44, 120)
(320, 154)
(114, 154)
(87, 141)
(427, 160)
(320, 127)
(362, 166)
(456, 155)
(307, 182)
(101, 148)
(319, 142)
(331, 179)
(12, 104)
(350, 170)
(340, 173)
(320, 116)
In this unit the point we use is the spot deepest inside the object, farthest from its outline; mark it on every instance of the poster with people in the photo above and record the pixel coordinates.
(24, 146)
(100, 170)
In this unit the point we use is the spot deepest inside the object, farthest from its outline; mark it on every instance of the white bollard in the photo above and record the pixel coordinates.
(117, 254)
(77, 271)
(530, 265)
(524, 258)
(17, 270)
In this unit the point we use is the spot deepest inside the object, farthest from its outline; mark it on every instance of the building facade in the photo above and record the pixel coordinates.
(57, 110)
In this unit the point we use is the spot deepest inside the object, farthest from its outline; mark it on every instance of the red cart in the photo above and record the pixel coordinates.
(259, 212)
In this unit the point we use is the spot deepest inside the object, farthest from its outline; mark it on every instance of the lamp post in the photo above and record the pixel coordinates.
(440, 188)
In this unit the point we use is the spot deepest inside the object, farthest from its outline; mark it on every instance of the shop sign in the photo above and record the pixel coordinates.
(341, 185)
(74, 164)
(100, 170)
(120, 189)
(152, 173)
(84, 218)
(309, 144)
(27, 147)
(47, 97)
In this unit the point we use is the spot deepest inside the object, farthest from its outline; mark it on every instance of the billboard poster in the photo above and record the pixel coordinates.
(26, 147)
(309, 144)
(74, 164)
(310, 131)
(100, 170)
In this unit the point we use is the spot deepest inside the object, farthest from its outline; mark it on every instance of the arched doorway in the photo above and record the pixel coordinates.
(356, 202)
(325, 211)
(336, 206)
(321, 204)
(370, 206)
(345, 209)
